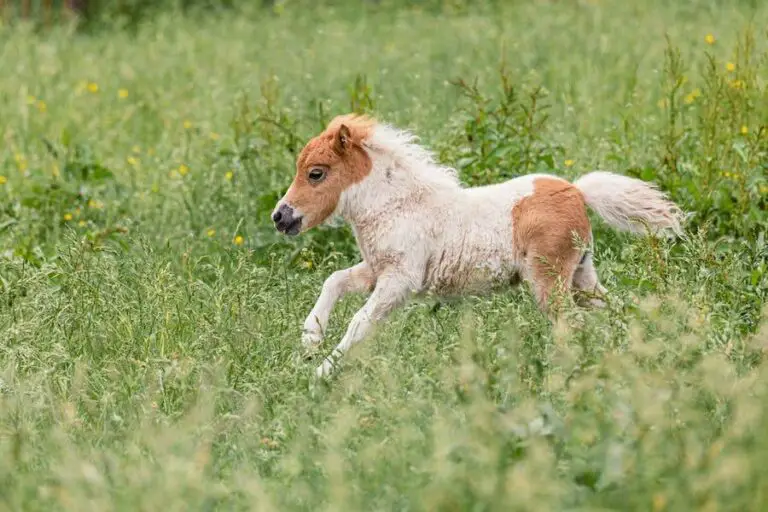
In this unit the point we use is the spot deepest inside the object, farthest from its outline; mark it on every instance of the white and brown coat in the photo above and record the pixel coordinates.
(419, 230)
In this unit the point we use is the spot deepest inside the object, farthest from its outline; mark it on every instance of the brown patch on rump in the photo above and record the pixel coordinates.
(339, 151)
(544, 226)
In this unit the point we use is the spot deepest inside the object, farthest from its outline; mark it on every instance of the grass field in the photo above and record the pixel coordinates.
(150, 315)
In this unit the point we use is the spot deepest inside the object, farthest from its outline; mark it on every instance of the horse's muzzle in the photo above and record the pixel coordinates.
(286, 221)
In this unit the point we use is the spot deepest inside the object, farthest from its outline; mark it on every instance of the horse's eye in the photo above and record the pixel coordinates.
(316, 175)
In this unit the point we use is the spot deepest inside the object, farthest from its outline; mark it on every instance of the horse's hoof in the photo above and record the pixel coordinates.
(311, 339)
(324, 369)
(308, 355)
(597, 303)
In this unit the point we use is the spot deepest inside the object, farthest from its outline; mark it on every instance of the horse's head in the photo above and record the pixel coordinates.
(329, 164)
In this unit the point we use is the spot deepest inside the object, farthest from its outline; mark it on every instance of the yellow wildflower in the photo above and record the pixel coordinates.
(730, 67)
(21, 161)
(93, 87)
(307, 264)
(211, 232)
(214, 136)
(55, 170)
(67, 217)
(691, 97)
(764, 189)
(229, 175)
(95, 204)
(238, 240)
(81, 223)
(3, 180)
(42, 107)
(709, 39)
(132, 160)
(659, 502)
(122, 93)
(744, 130)
(183, 170)
(31, 99)
(737, 84)
(187, 124)
(568, 162)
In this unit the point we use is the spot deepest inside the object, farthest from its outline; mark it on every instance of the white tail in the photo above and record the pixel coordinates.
(630, 204)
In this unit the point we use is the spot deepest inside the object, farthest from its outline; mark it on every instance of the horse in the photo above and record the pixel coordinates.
(419, 230)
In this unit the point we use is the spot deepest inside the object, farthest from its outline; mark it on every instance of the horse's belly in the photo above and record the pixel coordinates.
(477, 276)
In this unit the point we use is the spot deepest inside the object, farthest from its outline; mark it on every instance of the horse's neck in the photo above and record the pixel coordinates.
(389, 191)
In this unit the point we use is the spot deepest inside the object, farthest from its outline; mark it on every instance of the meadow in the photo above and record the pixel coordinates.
(150, 314)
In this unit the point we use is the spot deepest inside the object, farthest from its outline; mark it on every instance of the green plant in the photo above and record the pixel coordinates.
(505, 138)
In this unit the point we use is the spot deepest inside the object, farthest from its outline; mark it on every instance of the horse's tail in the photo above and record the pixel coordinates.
(629, 204)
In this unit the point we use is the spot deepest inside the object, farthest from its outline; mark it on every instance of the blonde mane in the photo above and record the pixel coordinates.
(402, 147)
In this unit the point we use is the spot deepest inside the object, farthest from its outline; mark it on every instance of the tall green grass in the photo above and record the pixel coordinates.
(150, 315)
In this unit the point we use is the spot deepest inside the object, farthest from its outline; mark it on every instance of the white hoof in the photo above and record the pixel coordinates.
(597, 303)
(324, 369)
(311, 339)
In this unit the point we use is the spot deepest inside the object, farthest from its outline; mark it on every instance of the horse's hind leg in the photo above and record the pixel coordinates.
(586, 284)
(550, 280)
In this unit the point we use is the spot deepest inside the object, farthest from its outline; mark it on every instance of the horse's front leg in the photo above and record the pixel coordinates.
(355, 279)
(391, 290)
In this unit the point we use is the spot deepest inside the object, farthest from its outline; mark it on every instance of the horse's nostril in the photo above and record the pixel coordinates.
(286, 220)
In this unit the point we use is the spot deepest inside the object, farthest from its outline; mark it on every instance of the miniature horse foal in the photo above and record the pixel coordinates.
(419, 230)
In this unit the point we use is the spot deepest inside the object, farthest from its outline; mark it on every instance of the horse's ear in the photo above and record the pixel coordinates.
(343, 138)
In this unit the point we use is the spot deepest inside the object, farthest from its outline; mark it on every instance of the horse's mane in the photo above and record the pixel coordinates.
(402, 147)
